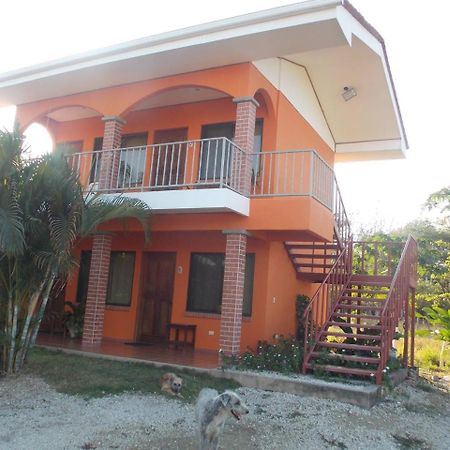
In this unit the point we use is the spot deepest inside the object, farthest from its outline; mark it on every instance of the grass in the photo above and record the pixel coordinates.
(96, 377)
(426, 354)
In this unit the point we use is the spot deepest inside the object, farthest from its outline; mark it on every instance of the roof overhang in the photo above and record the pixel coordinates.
(312, 31)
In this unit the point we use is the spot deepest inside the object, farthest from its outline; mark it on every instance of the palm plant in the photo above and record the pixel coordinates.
(43, 213)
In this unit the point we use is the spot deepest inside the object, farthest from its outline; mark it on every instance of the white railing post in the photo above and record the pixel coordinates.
(222, 162)
(311, 175)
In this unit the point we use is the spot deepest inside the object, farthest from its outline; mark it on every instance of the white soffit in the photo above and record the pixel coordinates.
(313, 82)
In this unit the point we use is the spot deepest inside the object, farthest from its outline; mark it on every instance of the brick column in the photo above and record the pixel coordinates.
(109, 167)
(101, 245)
(244, 137)
(233, 292)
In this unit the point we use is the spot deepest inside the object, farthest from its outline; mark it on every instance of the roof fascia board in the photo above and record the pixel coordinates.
(370, 146)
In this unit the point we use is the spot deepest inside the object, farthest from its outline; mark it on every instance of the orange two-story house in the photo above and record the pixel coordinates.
(229, 131)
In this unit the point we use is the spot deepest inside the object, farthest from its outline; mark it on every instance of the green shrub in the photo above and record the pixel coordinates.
(285, 355)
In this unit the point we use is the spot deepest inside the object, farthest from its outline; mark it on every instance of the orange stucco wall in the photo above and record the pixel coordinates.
(121, 322)
(271, 220)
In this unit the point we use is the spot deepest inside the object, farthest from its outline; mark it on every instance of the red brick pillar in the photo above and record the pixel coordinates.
(109, 167)
(101, 245)
(233, 292)
(244, 137)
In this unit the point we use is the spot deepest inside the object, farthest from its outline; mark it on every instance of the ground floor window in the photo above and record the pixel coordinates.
(120, 280)
(206, 283)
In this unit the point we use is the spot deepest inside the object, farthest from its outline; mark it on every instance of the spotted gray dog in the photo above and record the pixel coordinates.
(212, 411)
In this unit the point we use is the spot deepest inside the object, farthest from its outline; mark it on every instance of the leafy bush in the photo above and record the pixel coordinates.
(285, 355)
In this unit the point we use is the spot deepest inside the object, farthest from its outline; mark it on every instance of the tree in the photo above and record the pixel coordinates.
(43, 214)
(433, 268)
(440, 199)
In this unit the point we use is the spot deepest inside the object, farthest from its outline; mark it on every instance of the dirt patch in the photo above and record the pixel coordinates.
(34, 416)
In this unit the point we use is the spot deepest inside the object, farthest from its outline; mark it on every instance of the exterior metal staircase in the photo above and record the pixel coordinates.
(366, 289)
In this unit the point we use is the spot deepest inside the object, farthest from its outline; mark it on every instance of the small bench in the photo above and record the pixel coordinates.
(184, 335)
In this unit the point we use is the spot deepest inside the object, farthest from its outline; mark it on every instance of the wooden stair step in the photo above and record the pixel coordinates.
(353, 325)
(357, 336)
(344, 370)
(317, 266)
(362, 299)
(312, 277)
(309, 246)
(312, 256)
(367, 291)
(385, 284)
(356, 316)
(368, 348)
(370, 280)
(344, 357)
(361, 307)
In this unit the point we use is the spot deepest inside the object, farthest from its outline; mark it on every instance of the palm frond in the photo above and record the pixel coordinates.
(11, 225)
(101, 209)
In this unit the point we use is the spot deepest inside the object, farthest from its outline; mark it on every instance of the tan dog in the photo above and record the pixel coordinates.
(171, 384)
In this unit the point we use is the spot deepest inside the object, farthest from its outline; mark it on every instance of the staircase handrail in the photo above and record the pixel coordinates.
(327, 295)
(343, 228)
(396, 301)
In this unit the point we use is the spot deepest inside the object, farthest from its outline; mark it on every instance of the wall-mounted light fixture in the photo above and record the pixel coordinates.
(348, 93)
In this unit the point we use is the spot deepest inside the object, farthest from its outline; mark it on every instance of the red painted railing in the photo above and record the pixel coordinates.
(397, 302)
(376, 257)
(343, 232)
(325, 299)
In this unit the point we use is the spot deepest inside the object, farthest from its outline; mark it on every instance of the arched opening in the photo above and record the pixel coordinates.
(265, 101)
(176, 96)
(73, 126)
(178, 145)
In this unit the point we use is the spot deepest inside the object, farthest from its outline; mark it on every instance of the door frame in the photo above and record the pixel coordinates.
(140, 307)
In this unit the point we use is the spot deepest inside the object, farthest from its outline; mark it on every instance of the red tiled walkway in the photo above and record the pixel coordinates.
(159, 353)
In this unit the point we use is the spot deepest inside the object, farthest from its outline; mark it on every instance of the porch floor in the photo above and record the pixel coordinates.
(158, 353)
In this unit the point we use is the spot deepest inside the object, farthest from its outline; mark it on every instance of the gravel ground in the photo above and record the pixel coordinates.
(34, 417)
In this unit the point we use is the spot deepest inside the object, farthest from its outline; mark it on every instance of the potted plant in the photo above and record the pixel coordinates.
(74, 319)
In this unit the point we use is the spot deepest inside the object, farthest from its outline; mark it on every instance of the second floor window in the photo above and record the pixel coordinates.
(213, 152)
(131, 165)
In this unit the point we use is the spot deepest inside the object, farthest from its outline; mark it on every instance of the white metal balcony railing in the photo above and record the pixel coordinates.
(197, 163)
(293, 173)
(206, 163)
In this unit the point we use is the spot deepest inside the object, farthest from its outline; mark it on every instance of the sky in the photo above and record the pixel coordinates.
(382, 194)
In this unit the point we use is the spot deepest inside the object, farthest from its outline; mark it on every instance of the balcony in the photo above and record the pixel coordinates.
(206, 175)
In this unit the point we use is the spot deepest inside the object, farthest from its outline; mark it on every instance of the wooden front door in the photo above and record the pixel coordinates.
(158, 271)
(169, 160)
